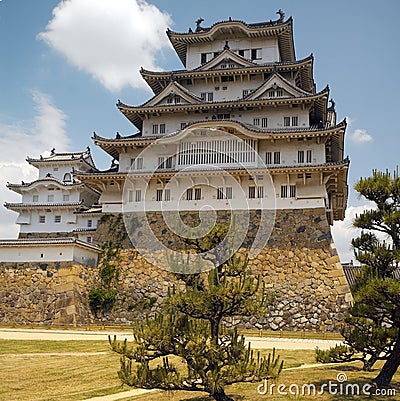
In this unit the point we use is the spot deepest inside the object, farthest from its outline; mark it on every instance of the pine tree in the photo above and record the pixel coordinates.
(373, 325)
(190, 327)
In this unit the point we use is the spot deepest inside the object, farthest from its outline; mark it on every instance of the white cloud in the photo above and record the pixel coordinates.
(343, 231)
(111, 40)
(360, 136)
(17, 142)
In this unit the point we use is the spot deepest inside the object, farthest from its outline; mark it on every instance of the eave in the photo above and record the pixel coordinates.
(158, 80)
(115, 146)
(27, 186)
(319, 100)
(28, 206)
(40, 242)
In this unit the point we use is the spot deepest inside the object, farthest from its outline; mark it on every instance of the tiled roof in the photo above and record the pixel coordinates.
(47, 241)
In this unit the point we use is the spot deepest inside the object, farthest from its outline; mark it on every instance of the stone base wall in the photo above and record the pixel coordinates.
(46, 235)
(299, 264)
(45, 293)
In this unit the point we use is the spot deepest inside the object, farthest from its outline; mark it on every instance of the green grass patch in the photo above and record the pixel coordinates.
(42, 346)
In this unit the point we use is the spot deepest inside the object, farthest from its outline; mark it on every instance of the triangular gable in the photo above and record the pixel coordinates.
(170, 93)
(276, 86)
(228, 59)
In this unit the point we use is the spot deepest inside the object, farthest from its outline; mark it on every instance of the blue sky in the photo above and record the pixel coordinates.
(64, 65)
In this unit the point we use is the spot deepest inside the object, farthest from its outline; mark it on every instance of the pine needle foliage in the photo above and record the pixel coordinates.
(190, 330)
(373, 324)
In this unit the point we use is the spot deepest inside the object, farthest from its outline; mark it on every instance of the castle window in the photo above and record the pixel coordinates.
(207, 96)
(55, 169)
(244, 53)
(260, 192)
(42, 219)
(277, 157)
(155, 129)
(271, 93)
(205, 57)
(50, 198)
(57, 219)
(67, 177)
(162, 128)
(295, 121)
(286, 121)
(189, 194)
(309, 156)
(139, 163)
(90, 223)
(167, 194)
(231, 65)
(130, 196)
(197, 193)
(308, 175)
(300, 156)
(228, 78)
(177, 99)
(169, 100)
(264, 122)
(35, 198)
(164, 162)
(66, 198)
(288, 191)
(256, 121)
(245, 92)
(89, 240)
(256, 54)
(159, 194)
(268, 158)
(279, 93)
(252, 192)
(227, 194)
(138, 195)
(222, 66)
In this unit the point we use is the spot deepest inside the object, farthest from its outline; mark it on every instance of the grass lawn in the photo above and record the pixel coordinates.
(32, 372)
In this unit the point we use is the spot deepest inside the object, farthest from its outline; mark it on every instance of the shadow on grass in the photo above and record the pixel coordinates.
(208, 398)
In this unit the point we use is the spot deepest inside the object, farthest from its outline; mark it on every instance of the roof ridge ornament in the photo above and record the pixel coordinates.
(199, 28)
(227, 47)
(281, 15)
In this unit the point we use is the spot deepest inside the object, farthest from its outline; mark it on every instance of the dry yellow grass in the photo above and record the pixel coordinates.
(53, 375)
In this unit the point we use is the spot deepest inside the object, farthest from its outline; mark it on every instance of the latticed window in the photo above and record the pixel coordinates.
(197, 193)
(252, 192)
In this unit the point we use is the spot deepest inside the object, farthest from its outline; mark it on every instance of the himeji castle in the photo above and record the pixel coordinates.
(243, 103)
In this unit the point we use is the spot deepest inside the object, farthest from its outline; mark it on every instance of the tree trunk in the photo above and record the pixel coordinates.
(221, 396)
(390, 367)
(214, 332)
(367, 367)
